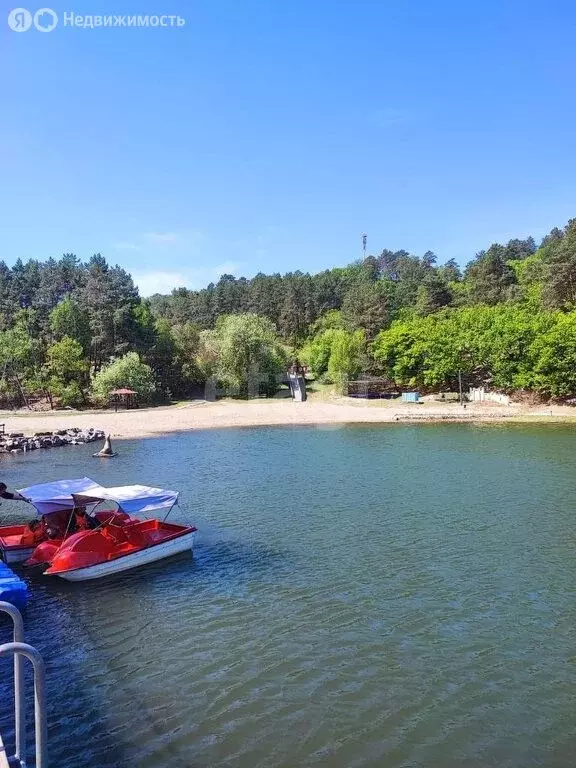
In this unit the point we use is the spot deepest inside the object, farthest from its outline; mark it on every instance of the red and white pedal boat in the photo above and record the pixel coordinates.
(54, 503)
(119, 542)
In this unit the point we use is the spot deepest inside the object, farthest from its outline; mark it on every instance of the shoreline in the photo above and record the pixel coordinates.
(226, 414)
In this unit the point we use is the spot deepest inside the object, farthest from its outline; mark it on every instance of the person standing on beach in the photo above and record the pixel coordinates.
(5, 494)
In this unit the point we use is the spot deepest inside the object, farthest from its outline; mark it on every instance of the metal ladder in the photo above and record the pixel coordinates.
(19, 649)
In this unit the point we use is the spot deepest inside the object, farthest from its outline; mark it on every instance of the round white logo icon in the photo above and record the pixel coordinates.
(45, 20)
(19, 20)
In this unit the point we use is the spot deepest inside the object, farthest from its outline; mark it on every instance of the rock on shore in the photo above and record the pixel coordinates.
(17, 442)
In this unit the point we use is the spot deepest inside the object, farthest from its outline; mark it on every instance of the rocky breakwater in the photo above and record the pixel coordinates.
(17, 442)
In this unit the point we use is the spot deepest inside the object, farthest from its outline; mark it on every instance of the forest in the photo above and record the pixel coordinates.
(72, 331)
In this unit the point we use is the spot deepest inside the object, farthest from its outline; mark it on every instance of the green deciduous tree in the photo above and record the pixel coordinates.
(250, 356)
(335, 355)
(316, 352)
(187, 344)
(129, 371)
(346, 357)
(488, 345)
(554, 354)
(208, 355)
(66, 373)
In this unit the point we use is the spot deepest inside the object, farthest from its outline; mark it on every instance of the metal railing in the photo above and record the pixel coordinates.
(20, 649)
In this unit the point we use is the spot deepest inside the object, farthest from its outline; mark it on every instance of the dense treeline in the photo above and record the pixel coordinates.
(73, 331)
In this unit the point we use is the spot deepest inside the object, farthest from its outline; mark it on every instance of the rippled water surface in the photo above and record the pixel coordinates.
(364, 596)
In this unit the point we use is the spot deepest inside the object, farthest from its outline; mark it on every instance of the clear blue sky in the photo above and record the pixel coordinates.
(268, 135)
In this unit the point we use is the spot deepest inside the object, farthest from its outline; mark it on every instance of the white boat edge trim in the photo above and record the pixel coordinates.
(134, 560)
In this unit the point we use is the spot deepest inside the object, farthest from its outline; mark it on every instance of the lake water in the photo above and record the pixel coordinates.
(361, 596)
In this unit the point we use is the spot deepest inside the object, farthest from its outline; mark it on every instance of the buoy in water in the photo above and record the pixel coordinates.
(106, 452)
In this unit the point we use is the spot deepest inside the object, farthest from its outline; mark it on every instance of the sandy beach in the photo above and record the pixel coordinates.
(205, 415)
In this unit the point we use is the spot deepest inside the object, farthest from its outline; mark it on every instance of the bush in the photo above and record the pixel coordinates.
(70, 395)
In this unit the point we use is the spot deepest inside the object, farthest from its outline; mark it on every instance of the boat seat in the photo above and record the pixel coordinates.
(134, 536)
(120, 550)
(115, 532)
(125, 534)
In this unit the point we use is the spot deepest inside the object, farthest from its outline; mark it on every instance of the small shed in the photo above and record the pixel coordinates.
(123, 396)
(411, 397)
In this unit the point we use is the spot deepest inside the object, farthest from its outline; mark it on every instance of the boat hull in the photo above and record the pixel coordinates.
(126, 562)
(15, 555)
